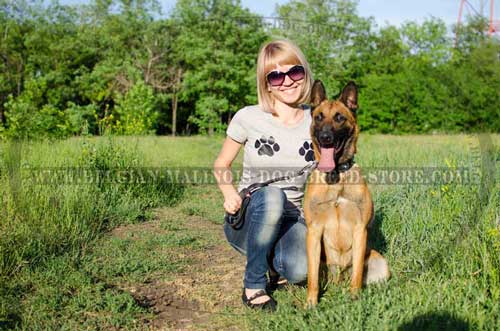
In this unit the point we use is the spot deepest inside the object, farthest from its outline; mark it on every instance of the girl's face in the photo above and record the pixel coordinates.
(290, 89)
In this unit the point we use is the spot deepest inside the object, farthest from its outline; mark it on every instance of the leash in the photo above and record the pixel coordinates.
(343, 167)
(237, 220)
(255, 186)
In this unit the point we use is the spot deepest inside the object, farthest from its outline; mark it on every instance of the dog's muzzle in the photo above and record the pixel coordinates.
(325, 137)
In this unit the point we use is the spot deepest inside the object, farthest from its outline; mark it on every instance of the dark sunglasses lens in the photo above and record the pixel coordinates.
(275, 78)
(296, 73)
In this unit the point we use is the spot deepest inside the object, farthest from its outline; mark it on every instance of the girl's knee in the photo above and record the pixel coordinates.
(295, 271)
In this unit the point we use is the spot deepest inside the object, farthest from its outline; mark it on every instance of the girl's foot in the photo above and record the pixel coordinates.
(275, 281)
(258, 299)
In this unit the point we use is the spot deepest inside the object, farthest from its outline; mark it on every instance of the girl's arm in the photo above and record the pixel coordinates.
(224, 177)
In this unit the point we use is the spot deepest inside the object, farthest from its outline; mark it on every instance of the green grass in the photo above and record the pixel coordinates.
(69, 293)
(61, 269)
(441, 241)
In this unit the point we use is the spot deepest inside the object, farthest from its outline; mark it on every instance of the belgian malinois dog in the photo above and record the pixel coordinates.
(337, 206)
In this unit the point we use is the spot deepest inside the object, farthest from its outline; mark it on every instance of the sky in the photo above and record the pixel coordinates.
(392, 12)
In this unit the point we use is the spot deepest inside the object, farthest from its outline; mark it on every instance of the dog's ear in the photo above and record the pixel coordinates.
(349, 96)
(318, 93)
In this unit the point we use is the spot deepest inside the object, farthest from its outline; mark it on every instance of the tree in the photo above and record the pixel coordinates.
(163, 66)
(427, 41)
(219, 41)
(471, 34)
(13, 54)
(74, 69)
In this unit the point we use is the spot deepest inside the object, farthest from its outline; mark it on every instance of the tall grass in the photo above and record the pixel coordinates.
(41, 220)
(442, 240)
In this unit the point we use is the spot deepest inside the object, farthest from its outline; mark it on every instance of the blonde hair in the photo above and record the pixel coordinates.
(280, 52)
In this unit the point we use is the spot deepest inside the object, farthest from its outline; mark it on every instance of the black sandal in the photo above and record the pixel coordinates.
(275, 281)
(268, 305)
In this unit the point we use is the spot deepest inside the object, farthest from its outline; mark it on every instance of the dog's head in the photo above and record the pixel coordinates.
(334, 130)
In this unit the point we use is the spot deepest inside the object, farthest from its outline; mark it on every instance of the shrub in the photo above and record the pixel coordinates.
(136, 114)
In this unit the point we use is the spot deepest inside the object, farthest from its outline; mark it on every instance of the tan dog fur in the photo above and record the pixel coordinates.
(338, 214)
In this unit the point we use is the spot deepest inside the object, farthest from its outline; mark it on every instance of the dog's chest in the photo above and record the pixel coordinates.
(333, 198)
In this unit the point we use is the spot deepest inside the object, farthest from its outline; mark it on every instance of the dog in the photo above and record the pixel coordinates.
(337, 204)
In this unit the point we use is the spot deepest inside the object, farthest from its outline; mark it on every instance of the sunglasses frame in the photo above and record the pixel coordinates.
(285, 74)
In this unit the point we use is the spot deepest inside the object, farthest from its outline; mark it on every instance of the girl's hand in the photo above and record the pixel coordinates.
(232, 202)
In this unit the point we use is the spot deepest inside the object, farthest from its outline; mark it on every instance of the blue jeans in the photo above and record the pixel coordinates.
(274, 235)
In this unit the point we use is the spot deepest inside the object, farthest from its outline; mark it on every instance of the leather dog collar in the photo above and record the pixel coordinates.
(343, 167)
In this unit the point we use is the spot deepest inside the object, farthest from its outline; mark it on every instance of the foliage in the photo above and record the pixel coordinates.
(207, 114)
(82, 119)
(219, 41)
(135, 111)
(26, 121)
(71, 70)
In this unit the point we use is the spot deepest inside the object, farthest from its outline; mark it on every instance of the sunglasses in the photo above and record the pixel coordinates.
(276, 77)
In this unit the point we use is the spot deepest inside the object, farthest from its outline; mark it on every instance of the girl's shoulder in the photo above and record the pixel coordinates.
(251, 110)
(251, 114)
(256, 110)
(255, 116)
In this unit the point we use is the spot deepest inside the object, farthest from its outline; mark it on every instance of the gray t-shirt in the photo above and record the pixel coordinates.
(273, 150)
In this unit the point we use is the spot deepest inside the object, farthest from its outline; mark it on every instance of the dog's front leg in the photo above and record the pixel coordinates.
(313, 246)
(360, 238)
(358, 257)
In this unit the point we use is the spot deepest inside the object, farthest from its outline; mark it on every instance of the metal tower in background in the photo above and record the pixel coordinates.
(493, 24)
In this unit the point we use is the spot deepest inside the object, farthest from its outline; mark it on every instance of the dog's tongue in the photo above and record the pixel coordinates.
(326, 162)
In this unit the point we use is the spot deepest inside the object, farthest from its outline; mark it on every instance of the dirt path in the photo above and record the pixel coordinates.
(199, 297)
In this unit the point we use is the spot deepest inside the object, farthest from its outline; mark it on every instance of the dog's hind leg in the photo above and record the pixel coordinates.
(376, 268)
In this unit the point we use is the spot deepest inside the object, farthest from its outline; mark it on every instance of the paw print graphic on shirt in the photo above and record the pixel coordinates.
(307, 151)
(266, 146)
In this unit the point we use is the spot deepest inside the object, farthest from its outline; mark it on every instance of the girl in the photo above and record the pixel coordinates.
(276, 140)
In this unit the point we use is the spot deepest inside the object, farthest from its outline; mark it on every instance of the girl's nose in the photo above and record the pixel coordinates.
(288, 81)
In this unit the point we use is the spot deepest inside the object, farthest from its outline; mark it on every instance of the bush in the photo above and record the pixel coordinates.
(82, 118)
(26, 121)
(136, 114)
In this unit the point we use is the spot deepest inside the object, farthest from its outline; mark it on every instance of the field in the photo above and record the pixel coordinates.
(135, 254)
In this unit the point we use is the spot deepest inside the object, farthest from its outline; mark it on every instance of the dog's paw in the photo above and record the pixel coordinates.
(311, 302)
(266, 146)
(355, 293)
(307, 151)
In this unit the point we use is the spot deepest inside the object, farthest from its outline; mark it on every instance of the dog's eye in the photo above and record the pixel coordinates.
(339, 118)
(319, 117)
